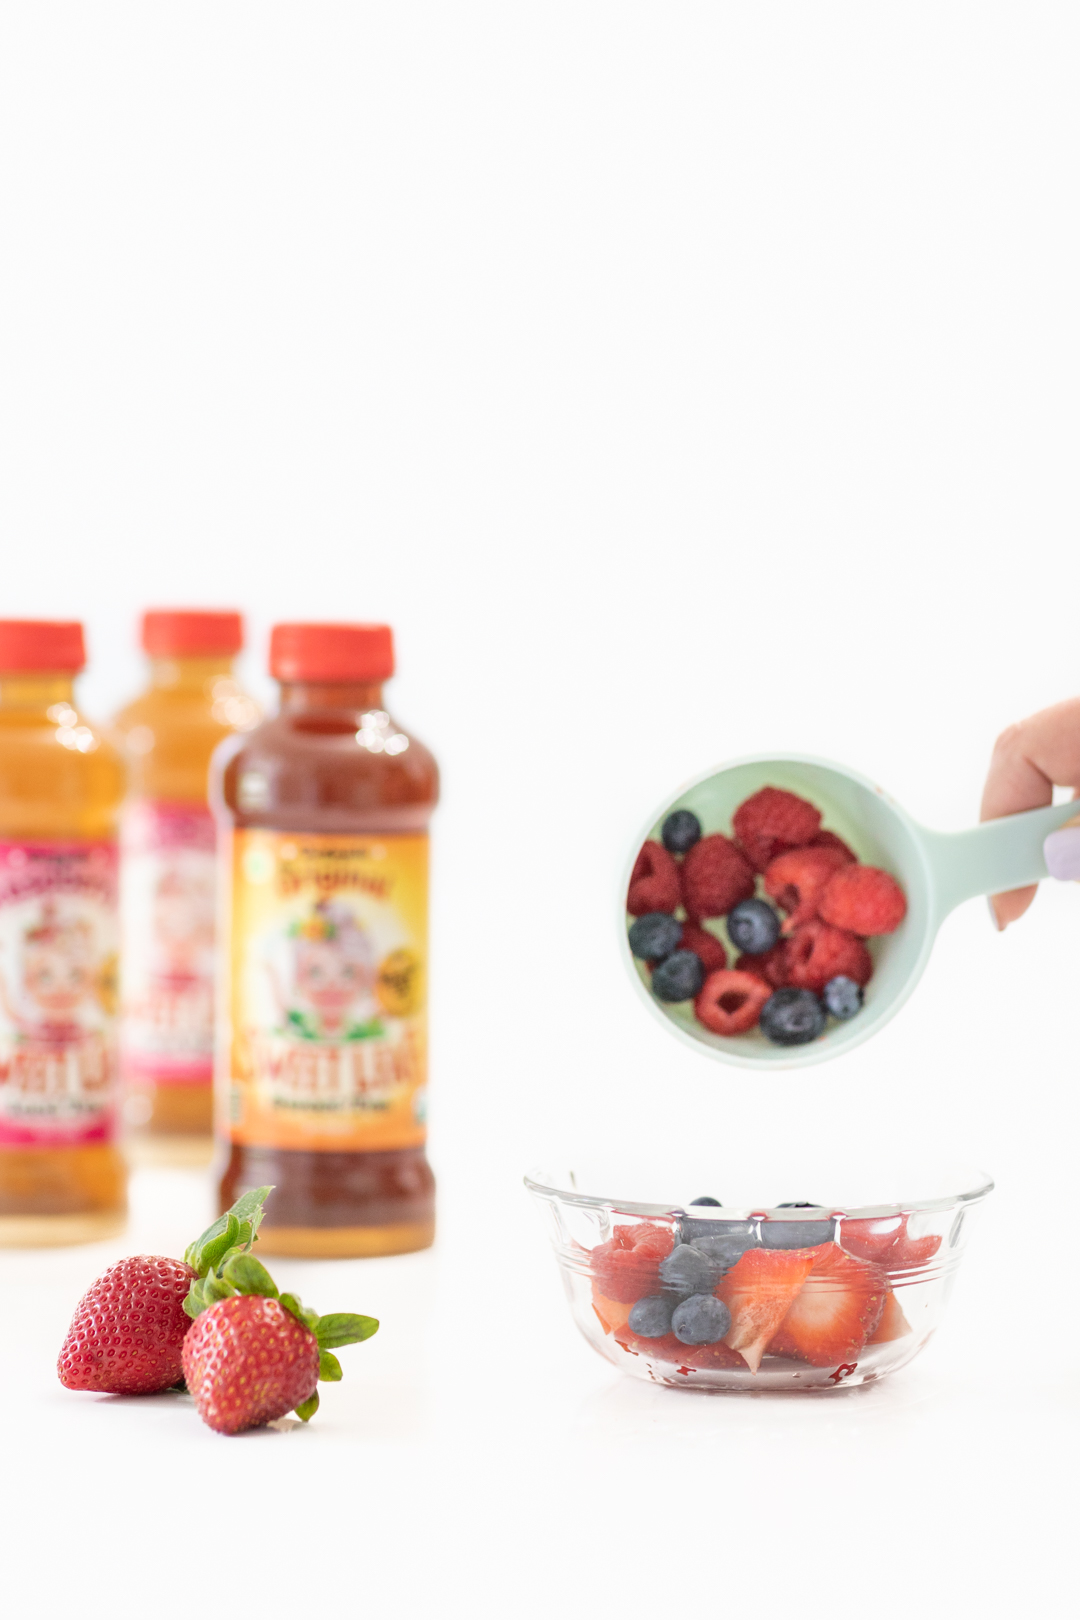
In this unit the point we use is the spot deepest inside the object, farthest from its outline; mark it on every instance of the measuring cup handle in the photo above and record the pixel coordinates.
(998, 855)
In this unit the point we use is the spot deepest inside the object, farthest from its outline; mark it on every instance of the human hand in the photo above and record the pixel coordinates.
(1029, 759)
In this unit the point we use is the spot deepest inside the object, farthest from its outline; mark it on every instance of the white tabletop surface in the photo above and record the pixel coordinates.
(479, 1458)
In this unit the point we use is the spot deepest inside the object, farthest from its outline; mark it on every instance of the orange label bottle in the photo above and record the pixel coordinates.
(169, 876)
(62, 1178)
(323, 1063)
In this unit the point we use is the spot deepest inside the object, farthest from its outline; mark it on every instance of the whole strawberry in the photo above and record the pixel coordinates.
(128, 1329)
(252, 1355)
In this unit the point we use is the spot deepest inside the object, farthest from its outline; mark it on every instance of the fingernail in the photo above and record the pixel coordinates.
(993, 912)
(1062, 852)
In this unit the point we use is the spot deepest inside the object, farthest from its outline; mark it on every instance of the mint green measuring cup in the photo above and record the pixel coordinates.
(938, 871)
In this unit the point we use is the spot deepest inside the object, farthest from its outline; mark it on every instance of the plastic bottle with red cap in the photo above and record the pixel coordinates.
(323, 1078)
(169, 877)
(62, 1176)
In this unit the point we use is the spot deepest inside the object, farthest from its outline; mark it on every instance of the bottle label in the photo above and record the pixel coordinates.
(58, 993)
(327, 1002)
(168, 924)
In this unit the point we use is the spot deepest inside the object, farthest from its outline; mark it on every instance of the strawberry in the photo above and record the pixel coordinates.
(893, 1325)
(838, 1308)
(908, 1252)
(252, 1354)
(126, 1335)
(887, 1243)
(758, 1291)
(612, 1314)
(128, 1329)
(796, 878)
(672, 1349)
(627, 1266)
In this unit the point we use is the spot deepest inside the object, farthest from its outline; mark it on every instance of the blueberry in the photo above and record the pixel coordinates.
(701, 1319)
(724, 1252)
(687, 1271)
(842, 996)
(655, 936)
(714, 1202)
(790, 1017)
(651, 1317)
(678, 977)
(680, 831)
(753, 927)
(796, 1234)
(693, 1231)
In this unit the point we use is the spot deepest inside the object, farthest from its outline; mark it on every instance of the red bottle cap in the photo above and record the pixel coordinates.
(42, 644)
(332, 652)
(184, 633)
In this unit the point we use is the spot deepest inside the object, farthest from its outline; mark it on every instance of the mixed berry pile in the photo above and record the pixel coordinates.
(802, 942)
(726, 1293)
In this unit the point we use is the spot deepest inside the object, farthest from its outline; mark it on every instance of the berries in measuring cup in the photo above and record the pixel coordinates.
(655, 935)
(680, 831)
(678, 977)
(753, 927)
(791, 973)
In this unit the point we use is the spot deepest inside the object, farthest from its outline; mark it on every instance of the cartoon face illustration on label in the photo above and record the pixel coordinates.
(328, 1036)
(57, 992)
(168, 907)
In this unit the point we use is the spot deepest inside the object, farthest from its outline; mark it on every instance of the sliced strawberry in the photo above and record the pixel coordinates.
(759, 1290)
(654, 882)
(711, 1355)
(627, 1266)
(705, 946)
(729, 1002)
(893, 1325)
(612, 1314)
(796, 878)
(839, 1306)
(871, 1239)
(908, 1252)
(672, 1349)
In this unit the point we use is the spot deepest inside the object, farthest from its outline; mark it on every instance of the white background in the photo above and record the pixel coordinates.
(680, 380)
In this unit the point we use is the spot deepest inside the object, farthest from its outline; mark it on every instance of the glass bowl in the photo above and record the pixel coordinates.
(753, 1296)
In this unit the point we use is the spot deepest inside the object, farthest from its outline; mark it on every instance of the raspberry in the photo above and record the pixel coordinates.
(864, 900)
(771, 821)
(729, 1003)
(796, 878)
(705, 946)
(816, 953)
(770, 965)
(715, 877)
(627, 1266)
(654, 882)
(829, 840)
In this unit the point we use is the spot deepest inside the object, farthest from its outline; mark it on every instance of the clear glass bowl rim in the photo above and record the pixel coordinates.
(544, 1185)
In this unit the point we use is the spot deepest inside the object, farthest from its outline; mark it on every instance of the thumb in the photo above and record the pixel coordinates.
(1062, 851)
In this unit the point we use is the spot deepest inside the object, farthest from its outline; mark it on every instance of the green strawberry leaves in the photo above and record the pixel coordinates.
(226, 1267)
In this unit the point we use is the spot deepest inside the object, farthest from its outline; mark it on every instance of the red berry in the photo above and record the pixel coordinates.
(796, 878)
(829, 840)
(715, 877)
(705, 946)
(128, 1329)
(729, 1003)
(816, 953)
(864, 900)
(771, 821)
(627, 1266)
(769, 965)
(837, 1309)
(247, 1361)
(654, 882)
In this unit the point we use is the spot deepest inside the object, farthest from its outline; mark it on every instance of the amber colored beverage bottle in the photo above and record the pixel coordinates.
(168, 878)
(323, 1066)
(62, 1178)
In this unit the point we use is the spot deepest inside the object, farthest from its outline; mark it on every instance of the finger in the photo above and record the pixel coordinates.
(1028, 759)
